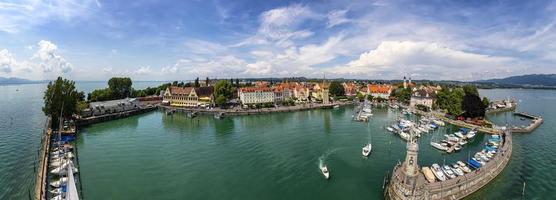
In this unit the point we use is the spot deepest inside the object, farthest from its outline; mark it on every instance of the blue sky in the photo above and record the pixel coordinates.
(180, 40)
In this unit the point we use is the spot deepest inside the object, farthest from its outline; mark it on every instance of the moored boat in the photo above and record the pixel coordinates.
(438, 172)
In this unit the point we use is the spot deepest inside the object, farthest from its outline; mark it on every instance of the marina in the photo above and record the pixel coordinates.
(133, 137)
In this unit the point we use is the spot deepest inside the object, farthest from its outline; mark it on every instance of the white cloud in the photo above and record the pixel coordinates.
(425, 58)
(337, 17)
(196, 46)
(7, 61)
(145, 70)
(281, 25)
(49, 58)
(21, 15)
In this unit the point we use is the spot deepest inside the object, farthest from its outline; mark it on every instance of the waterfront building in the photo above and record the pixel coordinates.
(350, 89)
(422, 97)
(301, 92)
(112, 106)
(254, 95)
(379, 90)
(188, 96)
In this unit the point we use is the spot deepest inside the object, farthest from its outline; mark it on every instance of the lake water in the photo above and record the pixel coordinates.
(275, 156)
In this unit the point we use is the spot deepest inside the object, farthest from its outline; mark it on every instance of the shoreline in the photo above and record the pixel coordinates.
(240, 111)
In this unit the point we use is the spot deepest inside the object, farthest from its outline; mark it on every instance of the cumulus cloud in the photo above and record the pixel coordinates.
(145, 70)
(7, 61)
(49, 58)
(421, 58)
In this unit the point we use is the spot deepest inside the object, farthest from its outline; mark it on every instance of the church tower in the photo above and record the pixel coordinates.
(404, 83)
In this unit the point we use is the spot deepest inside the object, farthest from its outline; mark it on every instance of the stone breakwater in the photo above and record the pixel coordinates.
(402, 186)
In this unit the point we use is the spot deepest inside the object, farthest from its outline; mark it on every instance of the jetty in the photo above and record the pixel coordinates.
(242, 111)
(536, 121)
(40, 189)
(112, 116)
(409, 182)
(441, 116)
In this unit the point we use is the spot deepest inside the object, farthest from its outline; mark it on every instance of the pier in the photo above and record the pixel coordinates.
(408, 182)
(536, 121)
(241, 111)
(441, 116)
(113, 116)
(40, 189)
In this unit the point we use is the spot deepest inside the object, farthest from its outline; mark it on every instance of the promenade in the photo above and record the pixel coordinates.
(251, 111)
(42, 168)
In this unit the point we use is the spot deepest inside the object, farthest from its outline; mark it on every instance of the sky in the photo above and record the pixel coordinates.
(181, 40)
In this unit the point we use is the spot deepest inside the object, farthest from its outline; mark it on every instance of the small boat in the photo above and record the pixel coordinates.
(367, 150)
(459, 134)
(471, 134)
(57, 197)
(325, 172)
(438, 172)
(463, 142)
(58, 190)
(439, 146)
(336, 106)
(448, 171)
(429, 175)
(390, 129)
(59, 182)
(457, 170)
(219, 115)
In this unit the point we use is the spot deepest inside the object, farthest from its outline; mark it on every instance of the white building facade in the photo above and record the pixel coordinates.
(255, 95)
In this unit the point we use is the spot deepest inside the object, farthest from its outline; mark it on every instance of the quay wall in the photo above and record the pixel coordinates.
(42, 168)
(451, 189)
(457, 122)
(112, 116)
(469, 183)
(237, 112)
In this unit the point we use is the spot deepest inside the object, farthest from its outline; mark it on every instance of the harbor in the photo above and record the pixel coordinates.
(536, 121)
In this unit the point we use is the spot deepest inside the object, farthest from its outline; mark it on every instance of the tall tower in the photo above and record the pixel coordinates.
(410, 164)
(325, 95)
(404, 83)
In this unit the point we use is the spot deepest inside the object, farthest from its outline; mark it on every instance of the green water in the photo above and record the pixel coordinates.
(276, 156)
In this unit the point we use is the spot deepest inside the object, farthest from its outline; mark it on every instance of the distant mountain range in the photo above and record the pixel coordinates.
(11, 80)
(529, 81)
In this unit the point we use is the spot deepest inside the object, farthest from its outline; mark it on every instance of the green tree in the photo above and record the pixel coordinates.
(220, 100)
(197, 84)
(120, 87)
(472, 103)
(402, 95)
(336, 89)
(360, 96)
(223, 88)
(237, 82)
(60, 99)
(486, 102)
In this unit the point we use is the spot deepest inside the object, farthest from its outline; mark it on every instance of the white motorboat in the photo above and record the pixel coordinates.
(471, 134)
(457, 170)
(63, 169)
(390, 129)
(367, 150)
(439, 146)
(438, 172)
(325, 172)
(448, 171)
(336, 106)
(463, 142)
(58, 162)
(57, 191)
(460, 134)
(57, 197)
(404, 135)
(59, 182)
